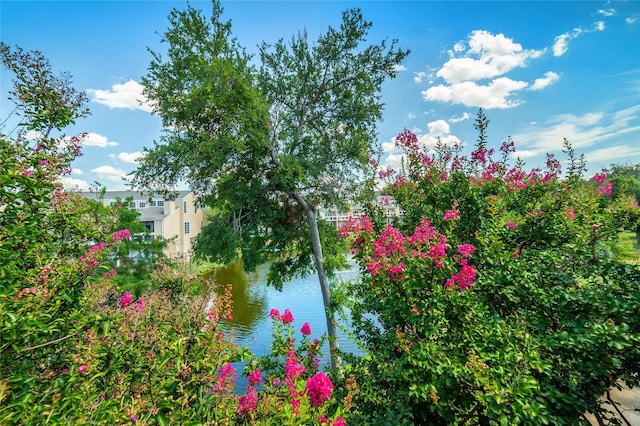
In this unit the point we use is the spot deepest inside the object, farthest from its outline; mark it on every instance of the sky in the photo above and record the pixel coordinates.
(542, 71)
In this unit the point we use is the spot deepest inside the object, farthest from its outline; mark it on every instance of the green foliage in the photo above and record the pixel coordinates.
(494, 300)
(75, 349)
(264, 146)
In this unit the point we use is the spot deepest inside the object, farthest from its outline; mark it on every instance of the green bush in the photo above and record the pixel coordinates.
(493, 300)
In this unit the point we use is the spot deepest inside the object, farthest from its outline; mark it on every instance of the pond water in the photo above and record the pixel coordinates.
(253, 299)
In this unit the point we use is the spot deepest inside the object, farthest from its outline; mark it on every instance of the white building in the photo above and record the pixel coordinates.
(339, 218)
(177, 220)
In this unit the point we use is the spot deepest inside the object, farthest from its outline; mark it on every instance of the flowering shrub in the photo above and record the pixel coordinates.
(77, 349)
(493, 299)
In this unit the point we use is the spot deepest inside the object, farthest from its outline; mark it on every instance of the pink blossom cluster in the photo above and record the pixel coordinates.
(599, 178)
(338, 422)
(305, 329)
(355, 226)
(319, 388)
(605, 189)
(225, 379)
(451, 214)
(89, 259)
(465, 278)
(248, 402)
(293, 370)
(126, 299)
(286, 318)
(482, 154)
(40, 292)
(123, 234)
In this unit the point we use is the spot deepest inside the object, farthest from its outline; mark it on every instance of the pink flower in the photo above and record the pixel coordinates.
(274, 314)
(126, 299)
(27, 173)
(82, 368)
(414, 309)
(247, 403)
(599, 178)
(255, 378)
(339, 422)
(438, 252)
(305, 329)
(595, 227)
(295, 404)
(512, 224)
(123, 234)
(319, 389)
(292, 369)
(451, 214)
(570, 214)
(466, 250)
(465, 278)
(605, 190)
(287, 317)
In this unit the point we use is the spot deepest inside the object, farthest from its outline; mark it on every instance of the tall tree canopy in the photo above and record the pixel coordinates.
(265, 145)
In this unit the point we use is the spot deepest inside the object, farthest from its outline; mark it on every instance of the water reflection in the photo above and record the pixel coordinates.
(249, 298)
(253, 299)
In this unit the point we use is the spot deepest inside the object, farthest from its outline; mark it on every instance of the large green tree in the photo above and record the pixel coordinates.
(266, 145)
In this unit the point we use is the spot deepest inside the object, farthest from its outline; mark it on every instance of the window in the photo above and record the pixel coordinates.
(132, 205)
(152, 203)
(160, 203)
(201, 224)
(195, 208)
(186, 228)
(184, 206)
(142, 204)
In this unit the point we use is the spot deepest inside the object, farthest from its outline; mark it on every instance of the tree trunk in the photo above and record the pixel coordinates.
(638, 233)
(316, 245)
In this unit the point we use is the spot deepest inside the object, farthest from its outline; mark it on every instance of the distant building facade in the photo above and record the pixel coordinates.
(178, 220)
(339, 218)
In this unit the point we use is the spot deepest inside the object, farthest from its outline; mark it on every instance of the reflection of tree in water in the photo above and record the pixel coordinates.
(249, 300)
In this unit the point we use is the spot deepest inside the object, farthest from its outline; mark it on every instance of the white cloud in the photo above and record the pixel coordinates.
(549, 78)
(438, 128)
(482, 56)
(607, 12)
(583, 131)
(127, 95)
(75, 184)
(412, 116)
(130, 157)
(471, 94)
(561, 42)
(630, 20)
(109, 173)
(488, 56)
(94, 139)
(394, 161)
(419, 76)
(399, 68)
(612, 153)
(77, 172)
(458, 119)
(524, 154)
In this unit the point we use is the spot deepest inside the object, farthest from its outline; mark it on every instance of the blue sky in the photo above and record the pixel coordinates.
(543, 71)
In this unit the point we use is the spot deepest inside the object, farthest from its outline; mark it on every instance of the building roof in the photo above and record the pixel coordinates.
(137, 195)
